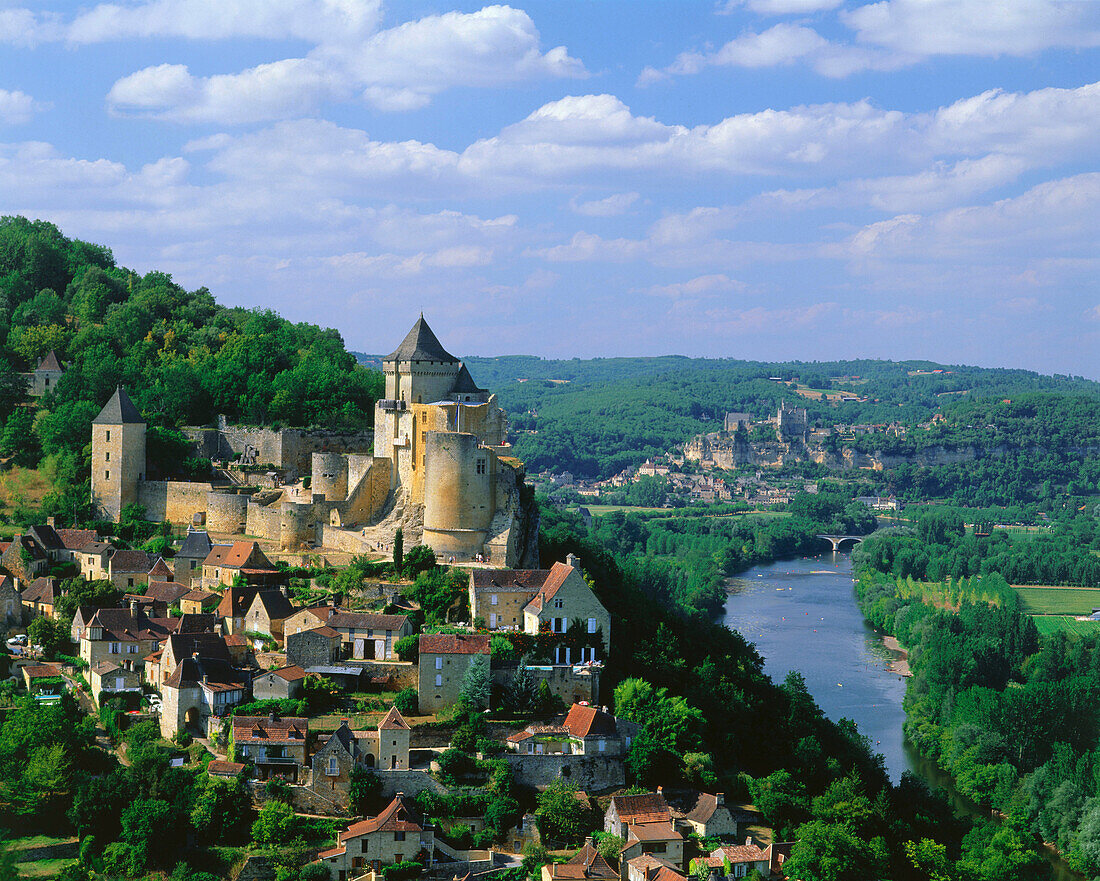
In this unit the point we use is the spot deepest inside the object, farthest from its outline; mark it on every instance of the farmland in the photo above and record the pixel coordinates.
(1059, 600)
(1048, 624)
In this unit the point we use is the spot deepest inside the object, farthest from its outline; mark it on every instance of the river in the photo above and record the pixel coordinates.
(801, 614)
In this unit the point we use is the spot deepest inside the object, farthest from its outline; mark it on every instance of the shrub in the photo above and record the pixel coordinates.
(406, 701)
(402, 871)
(407, 648)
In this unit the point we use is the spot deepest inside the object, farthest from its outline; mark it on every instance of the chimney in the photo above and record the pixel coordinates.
(284, 591)
(571, 560)
(748, 841)
(134, 607)
(720, 798)
(51, 522)
(271, 717)
(660, 790)
(194, 656)
(346, 722)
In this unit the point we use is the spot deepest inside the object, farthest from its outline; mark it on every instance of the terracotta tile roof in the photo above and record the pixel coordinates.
(217, 555)
(236, 555)
(264, 729)
(558, 573)
(366, 620)
(325, 631)
(50, 362)
(587, 863)
(233, 640)
(291, 673)
(703, 809)
(236, 600)
(648, 807)
(221, 768)
(106, 667)
(652, 832)
(119, 625)
(655, 869)
(454, 643)
(393, 721)
(129, 561)
(331, 852)
(590, 722)
(399, 816)
(160, 570)
(167, 592)
(741, 853)
(505, 580)
(200, 596)
(42, 671)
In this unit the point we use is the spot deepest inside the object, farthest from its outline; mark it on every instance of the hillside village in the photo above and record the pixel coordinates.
(226, 637)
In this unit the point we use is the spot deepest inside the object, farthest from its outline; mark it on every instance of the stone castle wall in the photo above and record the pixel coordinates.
(171, 500)
(291, 448)
(589, 773)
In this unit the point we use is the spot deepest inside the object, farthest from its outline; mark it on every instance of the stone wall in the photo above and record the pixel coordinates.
(290, 449)
(571, 687)
(226, 512)
(263, 521)
(590, 773)
(412, 783)
(174, 501)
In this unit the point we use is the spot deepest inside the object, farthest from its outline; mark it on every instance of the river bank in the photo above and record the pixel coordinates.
(900, 664)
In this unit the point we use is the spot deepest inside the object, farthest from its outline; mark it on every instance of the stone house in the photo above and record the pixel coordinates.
(38, 598)
(497, 596)
(93, 559)
(225, 770)
(563, 598)
(281, 684)
(308, 618)
(275, 745)
(24, 559)
(225, 562)
(125, 638)
(159, 665)
(198, 690)
(161, 571)
(197, 600)
(34, 674)
(368, 636)
(706, 815)
(267, 612)
(735, 861)
(444, 660)
(128, 569)
(234, 605)
(644, 821)
(189, 558)
(585, 865)
(396, 835)
(112, 678)
(45, 376)
(386, 749)
(163, 595)
(585, 731)
(319, 647)
(648, 867)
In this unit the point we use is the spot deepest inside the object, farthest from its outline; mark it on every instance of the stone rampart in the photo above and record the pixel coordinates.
(174, 501)
(590, 773)
(226, 512)
(263, 521)
(412, 783)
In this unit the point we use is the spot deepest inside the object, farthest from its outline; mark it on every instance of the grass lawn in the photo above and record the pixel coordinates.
(1059, 600)
(1048, 624)
(34, 841)
(25, 485)
(597, 510)
(43, 868)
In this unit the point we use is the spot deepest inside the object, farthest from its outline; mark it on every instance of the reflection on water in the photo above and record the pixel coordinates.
(802, 615)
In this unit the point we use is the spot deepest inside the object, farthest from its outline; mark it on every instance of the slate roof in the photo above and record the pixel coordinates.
(196, 544)
(366, 620)
(120, 410)
(220, 675)
(399, 816)
(590, 722)
(96, 547)
(206, 645)
(119, 625)
(420, 344)
(276, 606)
(46, 536)
(454, 643)
(129, 561)
(236, 600)
(464, 383)
(41, 590)
(505, 580)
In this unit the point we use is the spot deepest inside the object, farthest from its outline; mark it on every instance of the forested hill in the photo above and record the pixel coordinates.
(183, 358)
(595, 417)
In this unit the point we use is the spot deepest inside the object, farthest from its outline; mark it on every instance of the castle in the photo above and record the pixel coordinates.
(440, 470)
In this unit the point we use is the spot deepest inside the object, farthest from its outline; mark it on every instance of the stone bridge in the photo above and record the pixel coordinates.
(837, 540)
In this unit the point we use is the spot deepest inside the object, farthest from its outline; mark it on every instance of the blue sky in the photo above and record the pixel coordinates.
(774, 179)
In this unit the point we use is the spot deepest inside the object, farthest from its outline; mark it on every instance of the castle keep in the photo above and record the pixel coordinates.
(440, 470)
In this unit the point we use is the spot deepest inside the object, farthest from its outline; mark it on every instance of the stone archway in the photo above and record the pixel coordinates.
(191, 720)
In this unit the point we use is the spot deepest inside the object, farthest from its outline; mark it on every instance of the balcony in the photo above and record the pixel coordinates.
(276, 760)
(391, 404)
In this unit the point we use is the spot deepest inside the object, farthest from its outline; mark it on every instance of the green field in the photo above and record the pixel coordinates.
(1048, 624)
(1059, 600)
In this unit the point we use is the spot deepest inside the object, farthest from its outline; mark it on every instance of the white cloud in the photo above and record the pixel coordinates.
(700, 287)
(780, 7)
(611, 206)
(781, 44)
(402, 68)
(975, 27)
(16, 107)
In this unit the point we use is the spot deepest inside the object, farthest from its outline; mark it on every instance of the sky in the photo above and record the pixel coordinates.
(761, 179)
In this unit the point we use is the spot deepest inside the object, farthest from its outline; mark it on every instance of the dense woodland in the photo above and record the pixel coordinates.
(183, 358)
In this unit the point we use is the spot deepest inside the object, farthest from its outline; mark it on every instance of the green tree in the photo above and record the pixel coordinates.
(833, 852)
(398, 549)
(275, 823)
(408, 648)
(47, 633)
(406, 701)
(364, 788)
(149, 830)
(562, 815)
(522, 693)
(420, 558)
(476, 684)
(222, 811)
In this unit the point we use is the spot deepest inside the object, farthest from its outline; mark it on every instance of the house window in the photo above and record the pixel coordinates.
(129, 582)
(530, 747)
(559, 604)
(439, 663)
(115, 648)
(480, 466)
(193, 563)
(591, 625)
(438, 680)
(132, 648)
(493, 599)
(332, 769)
(603, 744)
(399, 836)
(740, 870)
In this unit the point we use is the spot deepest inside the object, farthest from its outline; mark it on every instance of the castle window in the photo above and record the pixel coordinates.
(108, 435)
(106, 475)
(438, 680)
(332, 769)
(480, 466)
(107, 456)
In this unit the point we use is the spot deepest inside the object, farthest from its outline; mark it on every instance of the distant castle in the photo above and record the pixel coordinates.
(439, 470)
